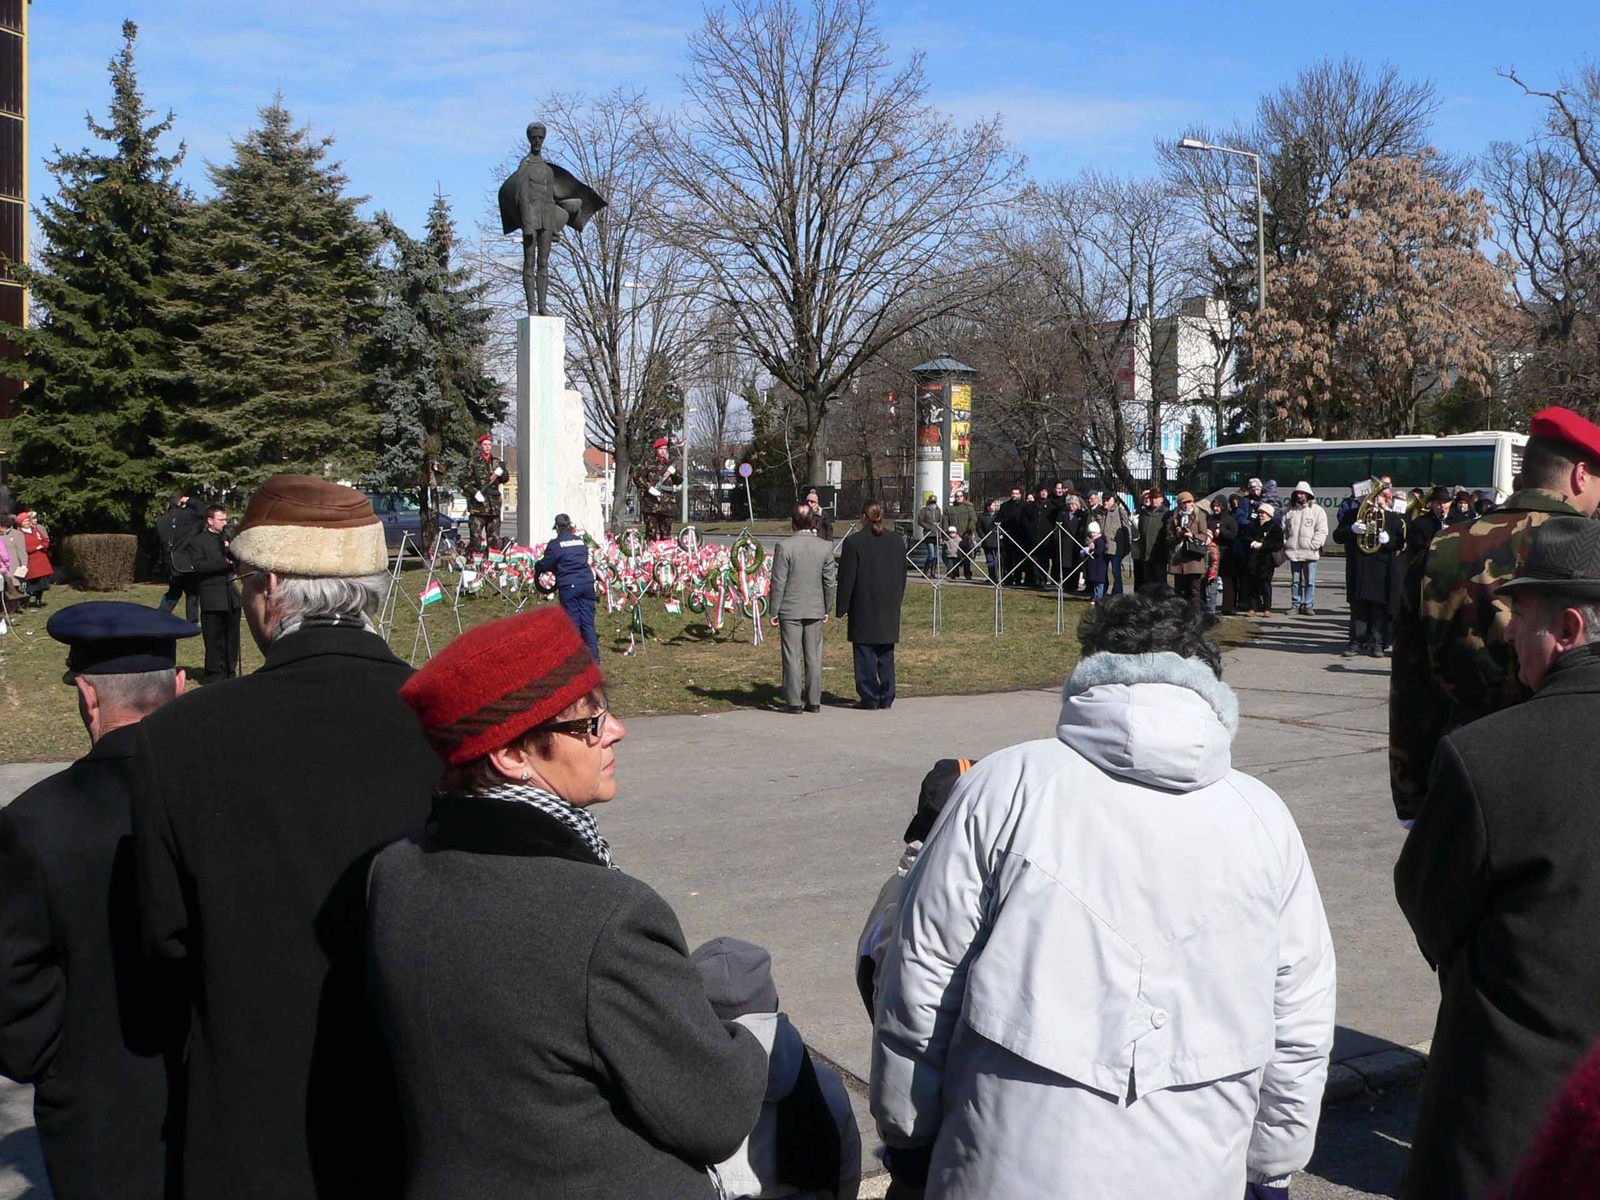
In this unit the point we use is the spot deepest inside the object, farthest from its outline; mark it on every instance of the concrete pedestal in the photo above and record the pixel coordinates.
(550, 436)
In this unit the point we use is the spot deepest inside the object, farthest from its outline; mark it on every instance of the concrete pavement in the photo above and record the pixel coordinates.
(780, 829)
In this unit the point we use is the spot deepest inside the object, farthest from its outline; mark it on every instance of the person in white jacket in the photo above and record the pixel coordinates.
(1305, 532)
(1111, 974)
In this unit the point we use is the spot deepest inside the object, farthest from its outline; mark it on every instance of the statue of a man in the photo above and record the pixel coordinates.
(541, 199)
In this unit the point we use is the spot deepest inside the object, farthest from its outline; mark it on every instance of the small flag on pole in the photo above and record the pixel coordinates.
(432, 594)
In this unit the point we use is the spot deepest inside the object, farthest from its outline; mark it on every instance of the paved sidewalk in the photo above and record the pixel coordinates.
(780, 829)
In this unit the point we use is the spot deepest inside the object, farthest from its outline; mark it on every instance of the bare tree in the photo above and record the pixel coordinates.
(1309, 133)
(1574, 114)
(1106, 249)
(630, 299)
(832, 209)
(1547, 218)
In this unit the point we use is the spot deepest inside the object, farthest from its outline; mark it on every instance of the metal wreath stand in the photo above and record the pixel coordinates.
(996, 581)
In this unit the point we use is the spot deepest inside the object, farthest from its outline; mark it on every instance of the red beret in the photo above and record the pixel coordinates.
(1564, 425)
(498, 681)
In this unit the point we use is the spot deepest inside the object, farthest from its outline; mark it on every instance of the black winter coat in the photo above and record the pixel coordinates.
(549, 1033)
(872, 585)
(176, 525)
(1261, 564)
(259, 805)
(1500, 879)
(80, 1006)
(213, 568)
(1371, 577)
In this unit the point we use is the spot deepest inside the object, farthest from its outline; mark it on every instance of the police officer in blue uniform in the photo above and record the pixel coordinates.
(84, 1015)
(568, 556)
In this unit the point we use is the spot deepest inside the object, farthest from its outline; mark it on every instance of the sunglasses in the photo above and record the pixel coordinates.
(585, 727)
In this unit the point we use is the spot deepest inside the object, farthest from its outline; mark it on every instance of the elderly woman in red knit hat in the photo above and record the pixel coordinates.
(550, 1035)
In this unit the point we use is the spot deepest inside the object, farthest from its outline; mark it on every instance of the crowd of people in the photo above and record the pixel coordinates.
(343, 928)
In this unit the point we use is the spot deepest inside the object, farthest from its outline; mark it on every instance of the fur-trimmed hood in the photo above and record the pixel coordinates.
(1160, 720)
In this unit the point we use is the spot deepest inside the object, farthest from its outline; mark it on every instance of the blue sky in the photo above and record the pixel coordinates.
(421, 95)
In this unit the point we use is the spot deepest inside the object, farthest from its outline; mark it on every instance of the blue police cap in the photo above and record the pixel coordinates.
(114, 637)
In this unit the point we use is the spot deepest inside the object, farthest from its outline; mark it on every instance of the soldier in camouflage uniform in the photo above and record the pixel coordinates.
(1452, 663)
(656, 494)
(481, 483)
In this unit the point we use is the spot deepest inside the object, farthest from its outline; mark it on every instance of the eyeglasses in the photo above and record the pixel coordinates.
(241, 576)
(585, 727)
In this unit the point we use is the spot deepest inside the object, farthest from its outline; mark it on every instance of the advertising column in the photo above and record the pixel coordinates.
(930, 442)
(960, 431)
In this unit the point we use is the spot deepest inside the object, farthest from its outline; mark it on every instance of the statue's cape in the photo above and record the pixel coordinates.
(567, 187)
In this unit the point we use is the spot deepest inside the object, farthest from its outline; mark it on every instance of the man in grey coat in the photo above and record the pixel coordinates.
(805, 580)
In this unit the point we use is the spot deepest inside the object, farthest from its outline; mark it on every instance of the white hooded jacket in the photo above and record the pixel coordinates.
(1111, 972)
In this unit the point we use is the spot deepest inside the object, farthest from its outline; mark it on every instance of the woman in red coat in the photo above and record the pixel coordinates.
(36, 540)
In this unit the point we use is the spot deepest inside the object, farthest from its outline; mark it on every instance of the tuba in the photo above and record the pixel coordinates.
(1370, 513)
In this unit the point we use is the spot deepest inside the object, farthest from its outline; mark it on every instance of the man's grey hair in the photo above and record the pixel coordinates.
(348, 597)
(1552, 605)
(140, 691)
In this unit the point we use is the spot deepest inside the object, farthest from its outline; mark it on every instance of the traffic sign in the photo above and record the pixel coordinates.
(746, 470)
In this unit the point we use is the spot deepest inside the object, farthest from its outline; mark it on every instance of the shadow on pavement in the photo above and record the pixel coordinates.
(761, 694)
(1362, 1148)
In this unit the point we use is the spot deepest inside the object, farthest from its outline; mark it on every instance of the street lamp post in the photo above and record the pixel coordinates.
(1190, 143)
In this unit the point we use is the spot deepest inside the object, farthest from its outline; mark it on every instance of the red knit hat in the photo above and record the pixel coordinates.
(498, 681)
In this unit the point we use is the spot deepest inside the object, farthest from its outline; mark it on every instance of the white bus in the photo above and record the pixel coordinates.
(1489, 459)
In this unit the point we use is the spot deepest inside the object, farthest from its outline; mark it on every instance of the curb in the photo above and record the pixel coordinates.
(1366, 1075)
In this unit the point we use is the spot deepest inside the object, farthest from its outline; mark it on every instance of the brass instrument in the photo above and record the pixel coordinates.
(1370, 515)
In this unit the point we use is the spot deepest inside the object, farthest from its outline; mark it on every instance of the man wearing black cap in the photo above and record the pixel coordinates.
(567, 557)
(80, 1009)
(1452, 661)
(1500, 880)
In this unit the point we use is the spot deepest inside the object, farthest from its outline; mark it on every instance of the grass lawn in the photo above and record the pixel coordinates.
(681, 667)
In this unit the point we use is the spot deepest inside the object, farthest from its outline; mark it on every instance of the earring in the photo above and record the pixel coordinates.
(524, 777)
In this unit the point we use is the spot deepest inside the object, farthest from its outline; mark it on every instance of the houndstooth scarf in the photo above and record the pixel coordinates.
(579, 820)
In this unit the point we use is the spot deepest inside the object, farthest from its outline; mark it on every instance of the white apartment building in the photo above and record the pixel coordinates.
(1192, 362)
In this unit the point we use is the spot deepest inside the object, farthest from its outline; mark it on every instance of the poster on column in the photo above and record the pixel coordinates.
(960, 430)
(930, 422)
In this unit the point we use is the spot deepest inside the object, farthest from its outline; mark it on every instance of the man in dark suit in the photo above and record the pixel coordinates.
(219, 595)
(80, 1009)
(1012, 536)
(872, 587)
(1500, 879)
(258, 807)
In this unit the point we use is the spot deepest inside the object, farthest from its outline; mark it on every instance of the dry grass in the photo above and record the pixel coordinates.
(682, 666)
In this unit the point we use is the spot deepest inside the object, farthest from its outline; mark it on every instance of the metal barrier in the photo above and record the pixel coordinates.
(927, 566)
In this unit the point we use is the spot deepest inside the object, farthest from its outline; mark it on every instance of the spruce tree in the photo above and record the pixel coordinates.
(274, 287)
(98, 362)
(430, 385)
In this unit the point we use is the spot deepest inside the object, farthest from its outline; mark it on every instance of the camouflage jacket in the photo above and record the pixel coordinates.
(480, 477)
(1452, 663)
(649, 476)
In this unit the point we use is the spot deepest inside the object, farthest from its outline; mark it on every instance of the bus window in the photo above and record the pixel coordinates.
(1406, 468)
(1471, 466)
(1338, 469)
(1232, 470)
(1287, 469)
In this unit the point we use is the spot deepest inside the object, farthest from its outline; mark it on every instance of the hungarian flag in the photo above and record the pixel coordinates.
(432, 594)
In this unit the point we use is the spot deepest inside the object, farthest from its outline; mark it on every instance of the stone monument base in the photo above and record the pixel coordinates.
(551, 437)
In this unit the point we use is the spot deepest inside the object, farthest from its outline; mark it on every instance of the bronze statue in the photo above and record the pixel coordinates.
(541, 199)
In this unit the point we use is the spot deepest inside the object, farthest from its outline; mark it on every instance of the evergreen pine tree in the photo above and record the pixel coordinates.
(1190, 448)
(98, 362)
(430, 386)
(274, 287)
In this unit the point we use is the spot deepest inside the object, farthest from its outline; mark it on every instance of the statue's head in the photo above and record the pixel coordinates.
(536, 133)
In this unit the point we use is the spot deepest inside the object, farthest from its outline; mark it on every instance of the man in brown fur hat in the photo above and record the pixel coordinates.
(258, 805)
